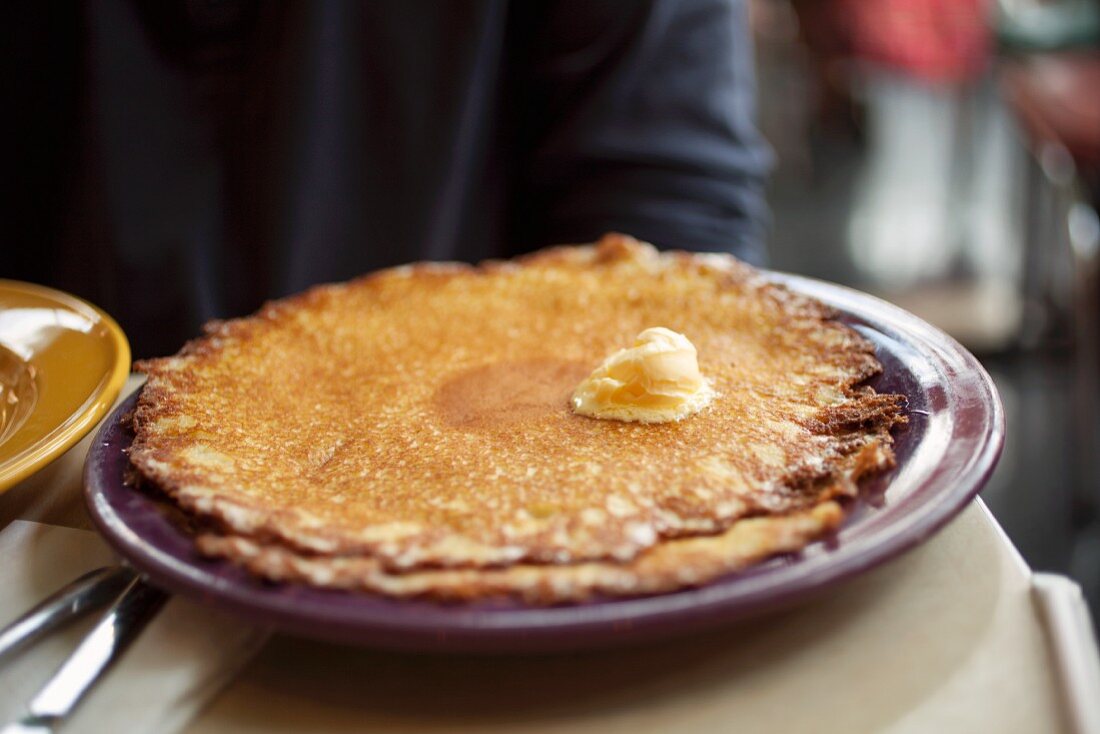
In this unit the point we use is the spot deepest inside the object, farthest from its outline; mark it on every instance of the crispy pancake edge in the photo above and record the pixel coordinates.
(666, 567)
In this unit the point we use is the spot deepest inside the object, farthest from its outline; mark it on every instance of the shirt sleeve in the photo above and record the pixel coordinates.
(639, 118)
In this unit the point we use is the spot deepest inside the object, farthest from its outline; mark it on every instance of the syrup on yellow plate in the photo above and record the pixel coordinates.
(62, 364)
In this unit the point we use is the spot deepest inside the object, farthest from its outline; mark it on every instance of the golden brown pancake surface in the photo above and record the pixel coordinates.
(419, 417)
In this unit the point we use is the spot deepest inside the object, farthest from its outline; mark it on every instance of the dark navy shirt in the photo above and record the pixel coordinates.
(188, 159)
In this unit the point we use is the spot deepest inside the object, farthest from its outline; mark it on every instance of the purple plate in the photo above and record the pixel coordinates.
(945, 454)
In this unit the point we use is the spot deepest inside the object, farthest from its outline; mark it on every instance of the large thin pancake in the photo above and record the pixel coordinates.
(668, 566)
(420, 415)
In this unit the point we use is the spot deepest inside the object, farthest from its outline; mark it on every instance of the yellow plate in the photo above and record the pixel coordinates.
(62, 364)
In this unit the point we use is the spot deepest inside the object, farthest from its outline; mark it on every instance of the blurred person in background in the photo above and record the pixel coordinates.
(935, 190)
(186, 160)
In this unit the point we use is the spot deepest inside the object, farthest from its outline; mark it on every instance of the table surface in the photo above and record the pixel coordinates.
(943, 639)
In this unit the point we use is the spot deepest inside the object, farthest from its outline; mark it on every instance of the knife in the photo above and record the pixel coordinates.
(104, 645)
(91, 591)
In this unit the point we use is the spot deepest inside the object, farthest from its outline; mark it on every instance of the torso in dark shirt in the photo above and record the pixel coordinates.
(201, 157)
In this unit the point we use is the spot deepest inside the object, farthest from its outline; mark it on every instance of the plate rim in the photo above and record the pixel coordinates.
(81, 421)
(586, 626)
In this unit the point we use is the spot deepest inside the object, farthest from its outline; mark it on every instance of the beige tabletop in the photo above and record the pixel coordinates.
(944, 639)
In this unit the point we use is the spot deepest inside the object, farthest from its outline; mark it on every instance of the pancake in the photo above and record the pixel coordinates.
(418, 418)
(668, 566)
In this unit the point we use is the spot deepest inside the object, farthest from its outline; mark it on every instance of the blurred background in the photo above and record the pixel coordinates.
(945, 155)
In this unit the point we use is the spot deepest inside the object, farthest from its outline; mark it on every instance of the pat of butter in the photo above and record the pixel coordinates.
(655, 381)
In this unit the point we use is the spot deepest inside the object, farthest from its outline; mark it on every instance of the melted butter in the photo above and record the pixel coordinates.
(655, 381)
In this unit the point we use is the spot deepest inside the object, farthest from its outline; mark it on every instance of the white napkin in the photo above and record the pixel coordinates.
(183, 658)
